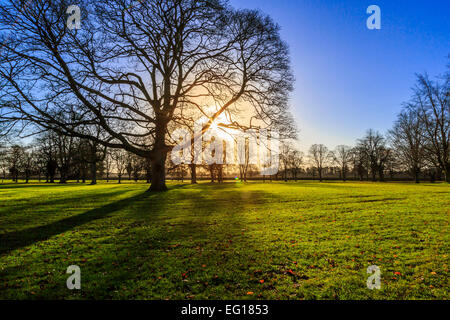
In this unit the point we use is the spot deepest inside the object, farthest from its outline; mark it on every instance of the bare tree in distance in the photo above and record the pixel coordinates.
(319, 156)
(120, 158)
(296, 162)
(408, 141)
(431, 102)
(15, 159)
(342, 156)
(285, 158)
(29, 163)
(373, 147)
(108, 163)
(3, 159)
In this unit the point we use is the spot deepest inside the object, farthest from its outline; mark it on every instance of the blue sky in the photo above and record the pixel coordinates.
(350, 78)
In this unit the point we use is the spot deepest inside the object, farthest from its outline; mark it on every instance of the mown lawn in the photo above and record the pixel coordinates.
(301, 240)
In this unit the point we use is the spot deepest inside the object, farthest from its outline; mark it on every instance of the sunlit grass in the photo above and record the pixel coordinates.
(301, 240)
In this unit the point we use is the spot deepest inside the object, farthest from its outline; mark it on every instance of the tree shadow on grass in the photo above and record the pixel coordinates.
(22, 238)
(21, 206)
(18, 239)
(144, 251)
(23, 185)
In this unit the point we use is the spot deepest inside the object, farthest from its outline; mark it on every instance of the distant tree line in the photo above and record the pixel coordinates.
(54, 156)
(417, 147)
(418, 144)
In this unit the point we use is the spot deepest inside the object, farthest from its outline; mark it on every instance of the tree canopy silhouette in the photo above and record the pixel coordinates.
(133, 68)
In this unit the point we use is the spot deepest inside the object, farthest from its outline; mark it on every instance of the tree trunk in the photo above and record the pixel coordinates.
(447, 173)
(158, 183)
(220, 173)
(432, 177)
(381, 174)
(374, 175)
(93, 172)
(416, 175)
(193, 168)
(148, 170)
(63, 173)
(211, 172)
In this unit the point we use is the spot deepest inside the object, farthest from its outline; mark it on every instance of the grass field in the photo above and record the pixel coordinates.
(301, 240)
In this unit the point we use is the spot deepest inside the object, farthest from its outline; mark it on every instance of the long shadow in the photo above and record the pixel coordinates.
(22, 185)
(55, 202)
(154, 240)
(19, 239)
(194, 240)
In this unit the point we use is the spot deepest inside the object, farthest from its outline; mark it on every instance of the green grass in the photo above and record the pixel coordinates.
(303, 240)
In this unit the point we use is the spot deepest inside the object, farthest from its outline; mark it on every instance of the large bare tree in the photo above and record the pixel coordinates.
(408, 142)
(373, 147)
(296, 162)
(431, 102)
(134, 67)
